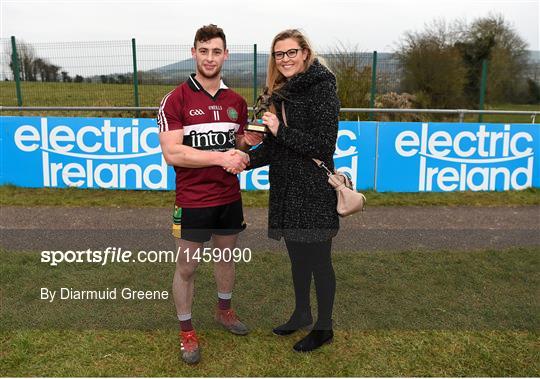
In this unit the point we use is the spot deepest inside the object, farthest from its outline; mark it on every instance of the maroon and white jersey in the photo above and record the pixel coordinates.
(209, 123)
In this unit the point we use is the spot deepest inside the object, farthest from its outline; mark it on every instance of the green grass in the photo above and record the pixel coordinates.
(491, 118)
(89, 95)
(71, 197)
(396, 314)
(368, 353)
(150, 95)
(473, 118)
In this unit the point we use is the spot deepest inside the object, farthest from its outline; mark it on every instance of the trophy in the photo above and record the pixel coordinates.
(261, 105)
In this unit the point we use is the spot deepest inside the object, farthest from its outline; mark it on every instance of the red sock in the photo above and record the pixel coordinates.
(224, 304)
(185, 323)
(186, 326)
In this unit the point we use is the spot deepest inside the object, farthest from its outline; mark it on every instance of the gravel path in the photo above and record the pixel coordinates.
(379, 228)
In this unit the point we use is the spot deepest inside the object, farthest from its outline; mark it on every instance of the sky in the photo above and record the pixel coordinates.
(366, 25)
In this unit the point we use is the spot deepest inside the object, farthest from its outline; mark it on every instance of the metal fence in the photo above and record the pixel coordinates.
(460, 113)
(100, 74)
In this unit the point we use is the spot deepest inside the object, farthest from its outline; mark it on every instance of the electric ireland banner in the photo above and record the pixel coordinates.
(121, 153)
(444, 157)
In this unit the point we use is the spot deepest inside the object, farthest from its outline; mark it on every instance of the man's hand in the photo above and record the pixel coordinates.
(235, 161)
(253, 138)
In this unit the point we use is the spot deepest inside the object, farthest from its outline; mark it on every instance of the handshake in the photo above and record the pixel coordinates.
(234, 161)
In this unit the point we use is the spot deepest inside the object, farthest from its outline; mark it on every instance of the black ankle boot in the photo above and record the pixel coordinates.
(297, 321)
(315, 339)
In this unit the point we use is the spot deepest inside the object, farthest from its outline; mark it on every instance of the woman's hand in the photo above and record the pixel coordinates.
(269, 119)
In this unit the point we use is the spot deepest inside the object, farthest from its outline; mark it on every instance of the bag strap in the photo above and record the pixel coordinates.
(318, 162)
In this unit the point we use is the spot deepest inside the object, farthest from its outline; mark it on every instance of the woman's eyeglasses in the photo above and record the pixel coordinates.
(291, 53)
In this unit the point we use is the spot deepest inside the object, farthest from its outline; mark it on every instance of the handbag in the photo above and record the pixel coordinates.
(349, 201)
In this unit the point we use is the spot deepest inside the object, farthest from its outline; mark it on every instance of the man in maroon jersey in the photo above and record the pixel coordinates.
(201, 125)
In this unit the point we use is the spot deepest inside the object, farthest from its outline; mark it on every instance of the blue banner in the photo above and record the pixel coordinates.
(83, 152)
(355, 155)
(444, 157)
(355, 152)
(120, 153)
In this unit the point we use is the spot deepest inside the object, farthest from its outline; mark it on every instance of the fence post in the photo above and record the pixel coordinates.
(16, 71)
(135, 76)
(254, 73)
(376, 170)
(482, 89)
(373, 84)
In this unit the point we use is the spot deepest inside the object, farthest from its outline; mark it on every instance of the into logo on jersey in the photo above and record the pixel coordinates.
(196, 112)
(211, 140)
(232, 137)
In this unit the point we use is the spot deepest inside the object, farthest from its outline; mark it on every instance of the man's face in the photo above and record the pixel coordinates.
(209, 56)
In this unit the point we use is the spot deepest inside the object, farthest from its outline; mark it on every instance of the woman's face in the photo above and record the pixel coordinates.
(289, 57)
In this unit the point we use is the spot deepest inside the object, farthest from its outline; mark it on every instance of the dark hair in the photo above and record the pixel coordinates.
(209, 32)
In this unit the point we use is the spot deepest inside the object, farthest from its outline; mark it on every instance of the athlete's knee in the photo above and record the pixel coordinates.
(186, 272)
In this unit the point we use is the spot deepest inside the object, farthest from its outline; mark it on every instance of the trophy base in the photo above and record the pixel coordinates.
(256, 128)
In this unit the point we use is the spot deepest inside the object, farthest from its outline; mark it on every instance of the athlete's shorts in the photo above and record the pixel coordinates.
(198, 224)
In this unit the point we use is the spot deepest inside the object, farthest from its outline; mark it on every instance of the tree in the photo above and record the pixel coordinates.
(40, 67)
(66, 77)
(433, 69)
(122, 79)
(78, 79)
(27, 56)
(353, 77)
(492, 38)
(533, 92)
(31, 67)
(52, 72)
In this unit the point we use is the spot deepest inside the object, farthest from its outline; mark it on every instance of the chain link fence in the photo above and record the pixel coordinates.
(100, 74)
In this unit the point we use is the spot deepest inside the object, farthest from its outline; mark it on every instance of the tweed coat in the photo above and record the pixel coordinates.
(302, 204)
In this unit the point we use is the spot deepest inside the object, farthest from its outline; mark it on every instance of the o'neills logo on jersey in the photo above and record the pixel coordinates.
(212, 140)
(96, 154)
(480, 160)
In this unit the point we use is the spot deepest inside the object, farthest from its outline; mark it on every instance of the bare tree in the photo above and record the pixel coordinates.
(27, 56)
(353, 75)
(32, 67)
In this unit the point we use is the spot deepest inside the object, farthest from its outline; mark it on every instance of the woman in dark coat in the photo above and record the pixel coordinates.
(302, 206)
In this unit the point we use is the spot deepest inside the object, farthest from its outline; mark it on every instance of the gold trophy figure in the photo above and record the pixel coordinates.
(261, 105)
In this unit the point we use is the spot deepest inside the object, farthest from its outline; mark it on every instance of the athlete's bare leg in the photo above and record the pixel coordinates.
(184, 275)
(224, 271)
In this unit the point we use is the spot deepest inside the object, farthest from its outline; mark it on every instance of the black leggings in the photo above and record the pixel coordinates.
(315, 259)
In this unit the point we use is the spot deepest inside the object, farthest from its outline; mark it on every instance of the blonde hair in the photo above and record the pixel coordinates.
(274, 78)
